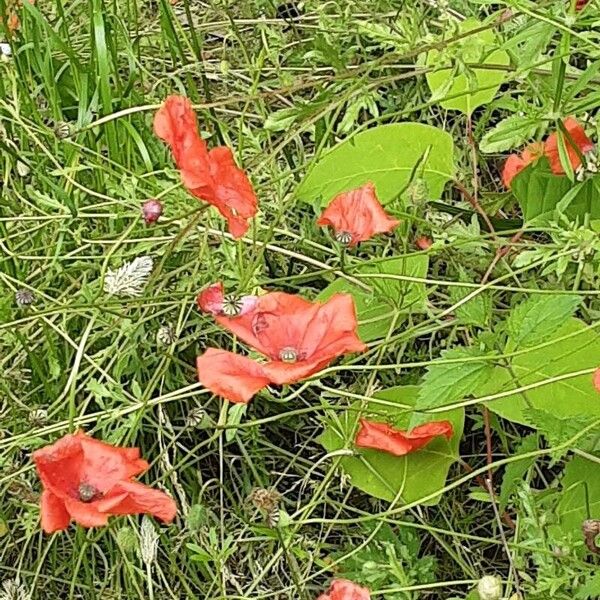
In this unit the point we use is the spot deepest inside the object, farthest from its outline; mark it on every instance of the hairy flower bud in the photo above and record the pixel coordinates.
(489, 588)
(151, 210)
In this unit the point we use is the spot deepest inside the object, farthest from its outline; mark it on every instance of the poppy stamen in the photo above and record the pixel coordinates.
(343, 237)
(87, 492)
(288, 355)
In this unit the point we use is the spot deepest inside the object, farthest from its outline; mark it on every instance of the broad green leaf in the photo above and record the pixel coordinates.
(447, 383)
(556, 430)
(508, 133)
(386, 476)
(537, 318)
(386, 156)
(570, 397)
(375, 309)
(515, 471)
(476, 311)
(465, 93)
(539, 191)
(576, 502)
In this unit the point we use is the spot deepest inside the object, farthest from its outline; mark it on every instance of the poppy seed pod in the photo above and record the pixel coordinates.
(151, 210)
(489, 588)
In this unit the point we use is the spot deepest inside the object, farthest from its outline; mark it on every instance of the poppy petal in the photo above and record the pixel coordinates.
(133, 498)
(357, 213)
(281, 373)
(59, 466)
(514, 165)
(343, 589)
(210, 299)
(85, 514)
(233, 194)
(53, 513)
(577, 137)
(232, 376)
(105, 465)
(596, 379)
(381, 436)
(210, 176)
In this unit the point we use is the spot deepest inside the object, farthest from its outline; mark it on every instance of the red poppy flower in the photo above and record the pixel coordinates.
(299, 337)
(515, 163)
(380, 436)
(342, 589)
(577, 136)
(211, 176)
(581, 4)
(232, 376)
(86, 481)
(212, 300)
(357, 216)
(596, 379)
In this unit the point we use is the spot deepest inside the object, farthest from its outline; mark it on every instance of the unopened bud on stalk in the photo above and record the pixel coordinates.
(489, 588)
(151, 209)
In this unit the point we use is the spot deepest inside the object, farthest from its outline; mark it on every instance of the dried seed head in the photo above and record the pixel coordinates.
(148, 542)
(62, 130)
(195, 417)
(489, 588)
(24, 298)
(264, 499)
(343, 237)
(38, 416)
(151, 210)
(165, 335)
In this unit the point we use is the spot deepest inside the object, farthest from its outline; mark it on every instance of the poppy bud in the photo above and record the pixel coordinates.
(197, 517)
(127, 540)
(418, 191)
(423, 242)
(489, 588)
(151, 209)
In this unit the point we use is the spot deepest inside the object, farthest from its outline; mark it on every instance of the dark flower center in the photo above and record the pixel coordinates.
(87, 492)
(344, 237)
(288, 355)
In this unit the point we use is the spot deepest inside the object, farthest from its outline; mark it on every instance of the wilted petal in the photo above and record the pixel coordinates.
(357, 213)
(133, 498)
(232, 376)
(53, 512)
(381, 436)
(578, 140)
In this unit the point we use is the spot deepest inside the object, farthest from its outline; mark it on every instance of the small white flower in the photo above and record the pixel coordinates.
(13, 590)
(5, 49)
(130, 279)
(148, 542)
